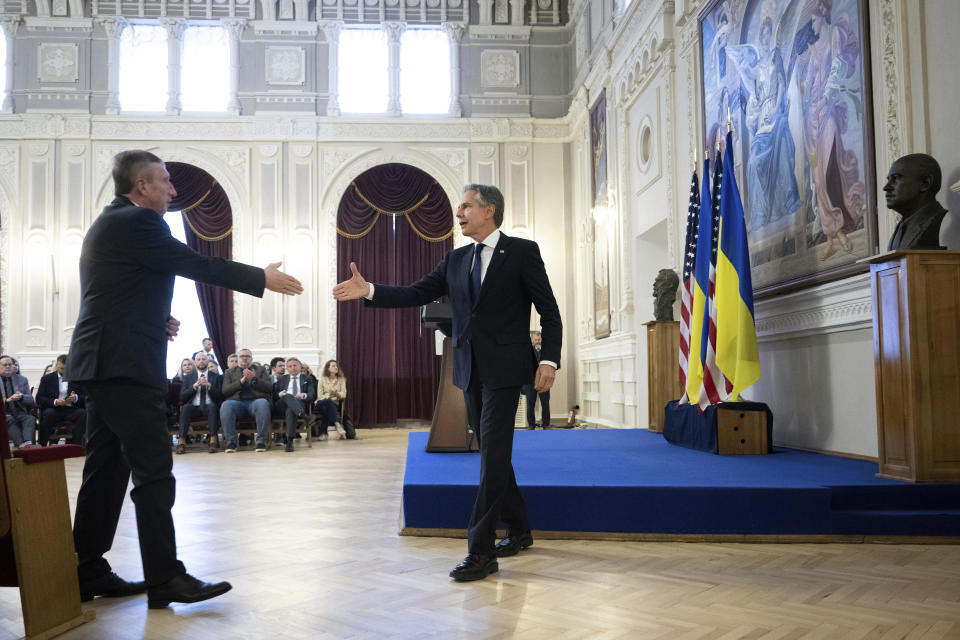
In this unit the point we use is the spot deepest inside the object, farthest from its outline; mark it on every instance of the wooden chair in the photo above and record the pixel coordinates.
(36, 538)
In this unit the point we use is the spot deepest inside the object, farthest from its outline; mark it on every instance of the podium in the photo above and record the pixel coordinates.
(916, 351)
(449, 431)
(663, 382)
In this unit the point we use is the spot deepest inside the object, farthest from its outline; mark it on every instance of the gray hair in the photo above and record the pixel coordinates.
(130, 166)
(487, 195)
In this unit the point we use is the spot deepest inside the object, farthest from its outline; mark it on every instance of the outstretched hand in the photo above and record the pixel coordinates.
(352, 289)
(280, 282)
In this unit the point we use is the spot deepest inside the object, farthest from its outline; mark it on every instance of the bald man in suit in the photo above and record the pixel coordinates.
(491, 284)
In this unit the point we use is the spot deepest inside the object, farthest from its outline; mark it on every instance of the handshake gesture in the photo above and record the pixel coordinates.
(354, 288)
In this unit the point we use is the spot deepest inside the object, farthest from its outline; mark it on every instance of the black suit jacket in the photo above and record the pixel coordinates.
(495, 330)
(49, 390)
(127, 267)
(187, 390)
(307, 386)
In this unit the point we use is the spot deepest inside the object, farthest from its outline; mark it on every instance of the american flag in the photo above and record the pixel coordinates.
(687, 282)
(715, 386)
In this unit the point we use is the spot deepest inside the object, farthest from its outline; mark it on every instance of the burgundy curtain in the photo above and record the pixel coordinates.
(396, 223)
(208, 223)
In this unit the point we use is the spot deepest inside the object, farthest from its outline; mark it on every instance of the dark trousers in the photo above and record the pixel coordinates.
(293, 410)
(190, 411)
(52, 416)
(329, 410)
(491, 413)
(530, 393)
(126, 437)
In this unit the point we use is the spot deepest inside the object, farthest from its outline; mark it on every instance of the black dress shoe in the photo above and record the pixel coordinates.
(109, 586)
(184, 588)
(288, 447)
(476, 566)
(512, 545)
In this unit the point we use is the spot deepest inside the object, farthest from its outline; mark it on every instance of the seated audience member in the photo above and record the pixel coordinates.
(60, 400)
(247, 391)
(308, 372)
(331, 393)
(211, 366)
(208, 350)
(47, 369)
(196, 396)
(232, 361)
(186, 366)
(18, 402)
(294, 394)
(277, 367)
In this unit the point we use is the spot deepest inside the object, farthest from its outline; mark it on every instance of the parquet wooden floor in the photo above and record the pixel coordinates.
(309, 541)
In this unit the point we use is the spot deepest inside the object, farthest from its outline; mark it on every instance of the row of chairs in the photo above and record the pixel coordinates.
(245, 426)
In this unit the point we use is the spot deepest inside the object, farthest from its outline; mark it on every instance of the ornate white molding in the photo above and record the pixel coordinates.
(58, 62)
(58, 24)
(502, 32)
(619, 346)
(499, 69)
(842, 305)
(892, 66)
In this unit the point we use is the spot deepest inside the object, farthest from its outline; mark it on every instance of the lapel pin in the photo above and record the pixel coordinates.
(502, 251)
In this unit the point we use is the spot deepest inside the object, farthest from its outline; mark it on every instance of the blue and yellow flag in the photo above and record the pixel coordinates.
(701, 275)
(737, 353)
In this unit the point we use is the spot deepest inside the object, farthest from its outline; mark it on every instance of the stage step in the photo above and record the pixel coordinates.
(898, 498)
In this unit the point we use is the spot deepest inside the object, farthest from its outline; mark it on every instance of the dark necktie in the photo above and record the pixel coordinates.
(475, 274)
(203, 393)
(7, 387)
(296, 386)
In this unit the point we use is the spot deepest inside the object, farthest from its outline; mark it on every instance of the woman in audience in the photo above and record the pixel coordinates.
(307, 372)
(186, 366)
(331, 391)
(47, 369)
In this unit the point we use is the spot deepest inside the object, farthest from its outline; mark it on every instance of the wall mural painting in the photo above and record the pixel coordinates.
(793, 78)
(601, 227)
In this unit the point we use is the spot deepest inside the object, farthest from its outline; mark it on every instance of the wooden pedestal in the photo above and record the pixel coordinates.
(742, 432)
(34, 497)
(663, 382)
(916, 346)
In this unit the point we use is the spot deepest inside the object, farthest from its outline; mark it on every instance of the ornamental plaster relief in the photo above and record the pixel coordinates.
(500, 69)
(58, 62)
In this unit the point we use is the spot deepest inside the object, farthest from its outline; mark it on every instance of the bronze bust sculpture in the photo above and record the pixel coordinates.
(912, 186)
(665, 292)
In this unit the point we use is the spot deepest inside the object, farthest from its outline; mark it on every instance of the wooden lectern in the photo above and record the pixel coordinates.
(449, 431)
(916, 347)
(663, 383)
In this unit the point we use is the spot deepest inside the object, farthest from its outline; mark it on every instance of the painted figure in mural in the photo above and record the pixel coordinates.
(825, 52)
(771, 181)
(911, 191)
(665, 293)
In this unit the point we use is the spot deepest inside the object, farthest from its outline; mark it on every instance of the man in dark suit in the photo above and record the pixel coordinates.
(127, 267)
(293, 395)
(196, 398)
(531, 394)
(60, 400)
(18, 403)
(491, 285)
(911, 191)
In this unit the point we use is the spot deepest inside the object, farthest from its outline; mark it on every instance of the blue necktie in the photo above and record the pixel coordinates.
(475, 274)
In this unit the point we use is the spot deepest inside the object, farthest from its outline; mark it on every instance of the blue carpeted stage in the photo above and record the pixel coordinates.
(631, 481)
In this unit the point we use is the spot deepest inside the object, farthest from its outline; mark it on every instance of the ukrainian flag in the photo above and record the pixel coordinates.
(737, 353)
(701, 285)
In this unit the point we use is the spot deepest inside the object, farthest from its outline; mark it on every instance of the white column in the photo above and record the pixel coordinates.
(175, 28)
(394, 31)
(234, 27)
(331, 30)
(486, 12)
(454, 32)
(113, 27)
(10, 24)
(516, 12)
